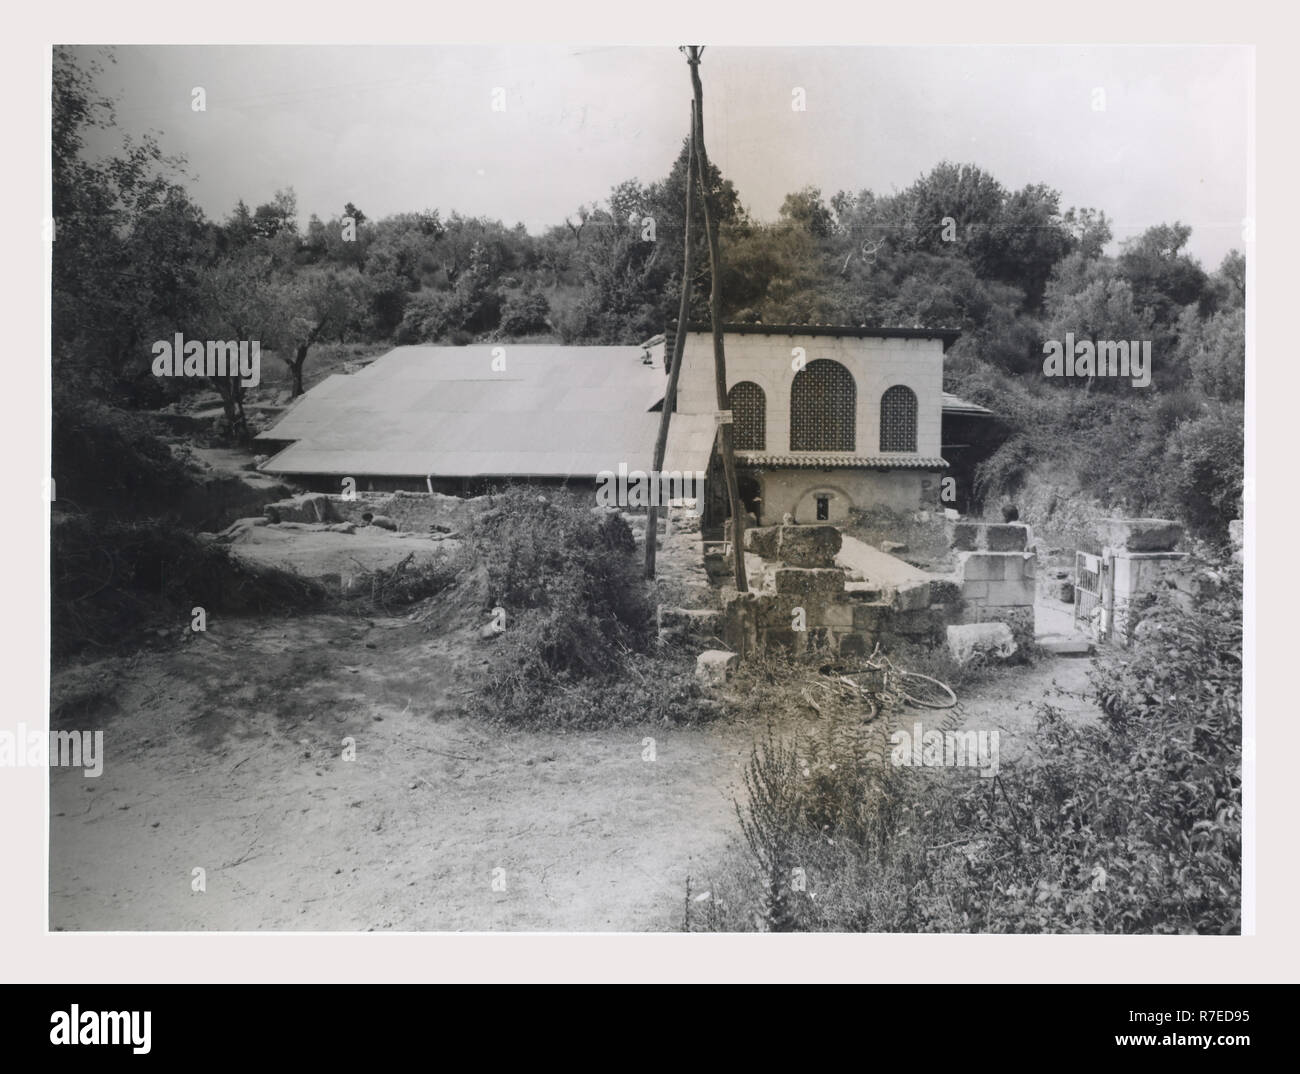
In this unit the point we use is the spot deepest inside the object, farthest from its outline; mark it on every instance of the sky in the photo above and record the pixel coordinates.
(405, 128)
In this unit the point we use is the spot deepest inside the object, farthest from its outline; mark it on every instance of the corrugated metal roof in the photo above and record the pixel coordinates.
(954, 405)
(845, 459)
(551, 412)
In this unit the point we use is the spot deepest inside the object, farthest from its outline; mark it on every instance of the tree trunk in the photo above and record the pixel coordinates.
(295, 367)
(715, 316)
(679, 345)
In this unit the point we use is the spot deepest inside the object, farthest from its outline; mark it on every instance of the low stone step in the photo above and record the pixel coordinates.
(1061, 645)
(697, 622)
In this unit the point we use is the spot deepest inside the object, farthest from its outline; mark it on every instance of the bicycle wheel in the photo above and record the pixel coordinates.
(924, 691)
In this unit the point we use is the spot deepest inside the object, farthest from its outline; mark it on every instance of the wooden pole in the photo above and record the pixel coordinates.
(679, 345)
(711, 224)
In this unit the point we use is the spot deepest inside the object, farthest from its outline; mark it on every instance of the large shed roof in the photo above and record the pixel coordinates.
(489, 411)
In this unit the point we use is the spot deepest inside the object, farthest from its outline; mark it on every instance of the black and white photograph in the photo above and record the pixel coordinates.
(640, 488)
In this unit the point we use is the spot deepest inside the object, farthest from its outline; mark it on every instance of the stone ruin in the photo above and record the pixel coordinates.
(800, 600)
(418, 512)
(1140, 556)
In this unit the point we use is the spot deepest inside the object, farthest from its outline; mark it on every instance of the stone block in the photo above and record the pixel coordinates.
(1060, 645)
(975, 592)
(990, 536)
(1141, 534)
(838, 615)
(855, 644)
(1007, 537)
(309, 507)
(914, 623)
(777, 610)
(966, 536)
(714, 666)
(893, 548)
(763, 541)
(983, 566)
(815, 583)
(865, 591)
(989, 640)
(1011, 593)
(873, 617)
(700, 622)
(911, 596)
(1020, 619)
(808, 546)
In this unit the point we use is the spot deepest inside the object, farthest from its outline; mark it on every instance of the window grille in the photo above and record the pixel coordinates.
(898, 419)
(748, 416)
(823, 408)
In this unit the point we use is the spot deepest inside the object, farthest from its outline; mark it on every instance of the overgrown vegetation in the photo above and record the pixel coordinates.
(112, 460)
(579, 622)
(113, 579)
(1129, 826)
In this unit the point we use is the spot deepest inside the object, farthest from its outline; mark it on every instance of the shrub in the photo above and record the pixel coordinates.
(577, 607)
(1205, 468)
(1129, 826)
(112, 460)
(525, 313)
(112, 579)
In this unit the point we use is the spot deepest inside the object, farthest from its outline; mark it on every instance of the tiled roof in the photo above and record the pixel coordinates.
(822, 461)
(849, 331)
(954, 405)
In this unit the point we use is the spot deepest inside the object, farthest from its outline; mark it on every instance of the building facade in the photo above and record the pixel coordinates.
(826, 419)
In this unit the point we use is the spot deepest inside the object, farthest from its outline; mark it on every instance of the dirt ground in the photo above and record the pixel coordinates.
(224, 752)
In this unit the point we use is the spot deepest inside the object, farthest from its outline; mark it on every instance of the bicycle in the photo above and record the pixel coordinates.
(894, 686)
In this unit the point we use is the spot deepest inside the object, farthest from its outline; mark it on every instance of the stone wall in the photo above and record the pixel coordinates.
(795, 491)
(997, 575)
(1142, 556)
(801, 601)
(413, 511)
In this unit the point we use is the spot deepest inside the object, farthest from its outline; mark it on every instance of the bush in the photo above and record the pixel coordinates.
(577, 608)
(1130, 826)
(104, 458)
(1205, 468)
(524, 314)
(113, 579)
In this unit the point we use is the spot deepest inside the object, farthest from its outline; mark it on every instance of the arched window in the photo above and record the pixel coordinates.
(823, 408)
(898, 419)
(748, 407)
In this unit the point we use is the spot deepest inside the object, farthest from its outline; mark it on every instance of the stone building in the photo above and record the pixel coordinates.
(826, 418)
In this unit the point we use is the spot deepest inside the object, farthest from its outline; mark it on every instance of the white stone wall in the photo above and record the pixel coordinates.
(795, 492)
(876, 365)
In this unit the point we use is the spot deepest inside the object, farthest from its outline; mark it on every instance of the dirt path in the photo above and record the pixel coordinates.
(225, 754)
(1009, 701)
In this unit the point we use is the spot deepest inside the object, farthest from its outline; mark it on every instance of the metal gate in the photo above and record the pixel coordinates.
(1091, 582)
